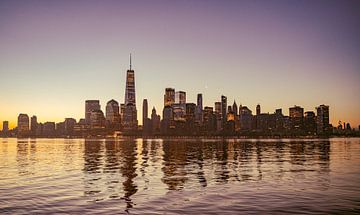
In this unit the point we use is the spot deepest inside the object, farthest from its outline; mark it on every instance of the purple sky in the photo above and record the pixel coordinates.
(56, 54)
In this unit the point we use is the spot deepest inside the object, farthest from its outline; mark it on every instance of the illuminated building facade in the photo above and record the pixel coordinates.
(129, 119)
(322, 119)
(90, 105)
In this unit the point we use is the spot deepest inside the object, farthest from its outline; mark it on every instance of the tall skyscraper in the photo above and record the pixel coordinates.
(310, 122)
(130, 86)
(33, 124)
(145, 111)
(97, 119)
(90, 105)
(199, 109)
(235, 108)
(130, 113)
(23, 124)
(223, 109)
(296, 115)
(246, 118)
(5, 126)
(322, 119)
(113, 118)
(180, 97)
(218, 118)
(155, 121)
(179, 107)
(169, 97)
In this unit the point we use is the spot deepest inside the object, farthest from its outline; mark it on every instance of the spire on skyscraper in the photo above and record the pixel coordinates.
(130, 61)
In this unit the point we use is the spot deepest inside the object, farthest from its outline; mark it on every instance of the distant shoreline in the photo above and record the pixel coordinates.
(192, 137)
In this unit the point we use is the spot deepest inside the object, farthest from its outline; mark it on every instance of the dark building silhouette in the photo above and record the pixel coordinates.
(235, 108)
(310, 122)
(90, 105)
(33, 125)
(279, 120)
(209, 120)
(155, 122)
(199, 109)
(322, 119)
(168, 120)
(258, 109)
(97, 119)
(145, 111)
(218, 116)
(147, 125)
(5, 126)
(60, 128)
(296, 115)
(245, 117)
(129, 119)
(223, 109)
(190, 117)
(69, 125)
(23, 124)
(113, 119)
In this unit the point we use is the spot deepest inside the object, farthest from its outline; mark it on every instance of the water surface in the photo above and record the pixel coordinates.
(179, 176)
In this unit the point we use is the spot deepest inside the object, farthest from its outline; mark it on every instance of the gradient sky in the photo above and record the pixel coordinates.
(56, 54)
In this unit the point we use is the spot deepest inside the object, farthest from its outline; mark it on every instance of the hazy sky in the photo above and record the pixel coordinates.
(56, 54)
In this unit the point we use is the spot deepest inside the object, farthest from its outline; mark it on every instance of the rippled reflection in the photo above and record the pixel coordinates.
(111, 166)
(129, 173)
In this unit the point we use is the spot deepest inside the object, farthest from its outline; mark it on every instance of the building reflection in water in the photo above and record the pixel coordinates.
(120, 169)
(107, 163)
(22, 146)
(174, 162)
(128, 169)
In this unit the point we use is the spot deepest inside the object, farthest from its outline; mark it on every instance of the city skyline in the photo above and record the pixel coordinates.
(278, 59)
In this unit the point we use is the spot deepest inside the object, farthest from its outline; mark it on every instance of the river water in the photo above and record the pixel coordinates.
(162, 176)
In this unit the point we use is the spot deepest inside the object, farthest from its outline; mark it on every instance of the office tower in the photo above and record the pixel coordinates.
(90, 105)
(310, 122)
(130, 122)
(33, 125)
(23, 124)
(113, 118)
(210, 122)
(168, 118)
(218, 116)
(155, 121)
(97, 119)
(223, 109)
(279, 120)
(5, 126)
(296, 115)
(322, 119)
(146, 122)
(246, 118)
(169, 97)
(190, 112)
(179, 111)
(180, 97)
(199, 109)
(235, 108)
(145, 111)
(218, 108)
